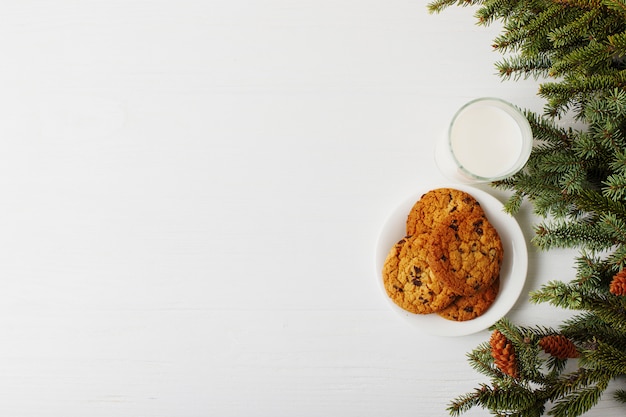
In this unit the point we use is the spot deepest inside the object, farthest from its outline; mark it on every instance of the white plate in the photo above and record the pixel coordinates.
(512, 273)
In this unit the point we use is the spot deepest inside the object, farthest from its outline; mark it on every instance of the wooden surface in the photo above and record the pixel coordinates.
(191, 197)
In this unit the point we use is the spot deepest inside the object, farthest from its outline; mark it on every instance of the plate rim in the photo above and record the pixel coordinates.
(512, 237)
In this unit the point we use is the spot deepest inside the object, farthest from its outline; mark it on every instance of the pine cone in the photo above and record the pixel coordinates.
(558, 346)
(618, 285)
(503, 353)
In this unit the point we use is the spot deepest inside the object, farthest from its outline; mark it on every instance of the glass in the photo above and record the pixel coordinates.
(488, 139)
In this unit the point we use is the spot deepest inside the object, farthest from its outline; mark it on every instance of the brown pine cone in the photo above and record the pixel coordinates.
(618, 285)
(558, 346)
(503, 354)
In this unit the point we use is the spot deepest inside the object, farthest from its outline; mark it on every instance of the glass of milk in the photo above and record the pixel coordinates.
(488, 140)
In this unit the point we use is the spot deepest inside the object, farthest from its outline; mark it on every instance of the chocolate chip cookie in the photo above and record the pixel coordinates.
(469, 307)
(409, 280)
(435, 206)
(466, 253)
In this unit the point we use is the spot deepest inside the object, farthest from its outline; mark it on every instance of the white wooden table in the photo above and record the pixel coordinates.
(191, 196)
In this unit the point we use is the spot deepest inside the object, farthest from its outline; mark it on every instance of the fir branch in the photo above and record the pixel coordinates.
(465, 402)
(547, 130)
(618, 257)
(607, 108)
(585, 60)
(481, 361)
(583, 4)
(610, 311)
(613, 227)
(587, 325)
(558, 294)
(591, 271)
(492, 10)
(509, 401)
(587, 147)
(560, 162)
(555, 366)
(514, 203)
(608, 137)
(597, 111)
(579, 402)
(616, 99)
(605, 357)
(526, 349)
(518, 67)
(574, 179)
(617, 43)
(616, 5)
(615, 187)
(592, 201)
(576, 91)
(618, 165)
(577, 180)
(620, 395)
(575, 31)
(438, 6)
(571, 234)
(544, 193)
(607, 308)
(568, 383)
(516, 37)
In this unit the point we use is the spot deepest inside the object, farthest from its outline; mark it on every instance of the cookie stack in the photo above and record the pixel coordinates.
(449, 261)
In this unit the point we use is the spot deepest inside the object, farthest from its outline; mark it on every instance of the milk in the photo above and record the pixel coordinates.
(488, 139)
(485, 140)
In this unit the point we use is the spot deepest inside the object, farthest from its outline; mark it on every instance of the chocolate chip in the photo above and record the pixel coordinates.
(417, 282)
(478, 227)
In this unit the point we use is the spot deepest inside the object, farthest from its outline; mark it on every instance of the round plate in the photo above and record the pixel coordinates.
(512, 273)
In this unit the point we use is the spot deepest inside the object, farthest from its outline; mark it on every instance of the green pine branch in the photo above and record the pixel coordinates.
(584, 327)
(620, 395)
(618, 6)
(574, 33)
(591, 58)
(576, 181)
(514, 400)
(438, 6)
(572, 234)
(607, 358)
(522, 67)
(579, 402)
